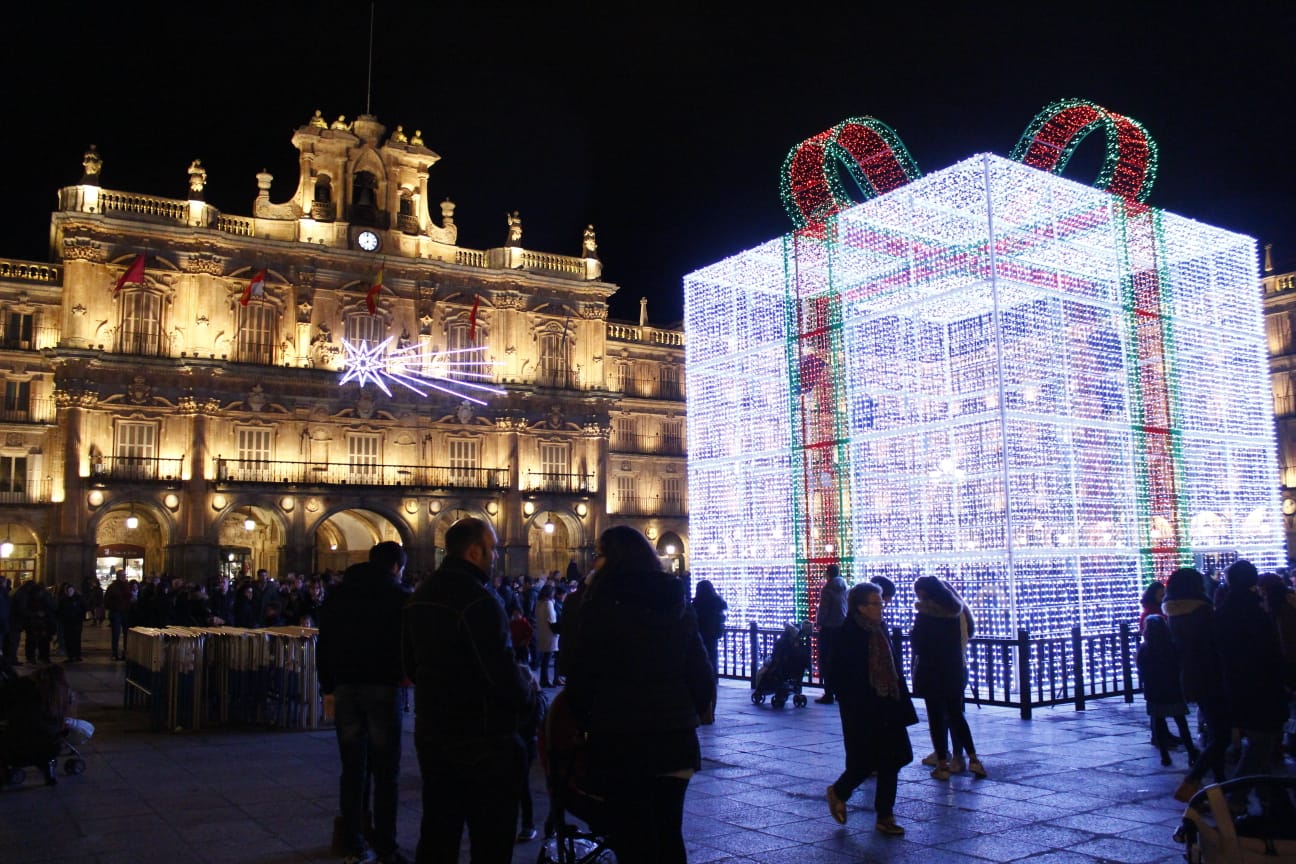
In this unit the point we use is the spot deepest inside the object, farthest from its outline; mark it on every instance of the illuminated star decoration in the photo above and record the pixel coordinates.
(421, 370)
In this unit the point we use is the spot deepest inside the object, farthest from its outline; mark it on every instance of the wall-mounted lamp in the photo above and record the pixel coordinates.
(548, 526)
(249, 524)
(132, 521)
(7, 547)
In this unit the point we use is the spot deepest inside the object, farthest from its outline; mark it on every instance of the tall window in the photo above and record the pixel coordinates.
(673, 437)
(622, 379)
(555, 466)
(553, 370)
(141, 323)
(625, 433)
(254, 454)
(257, 326)
(464, 462)
(668, 381)
(17, 398)
(136, 450)
(627, 496)
(364, 329)
(457, 341)
(13, 474)
(672, 495)
(362, 454)
(18, 330)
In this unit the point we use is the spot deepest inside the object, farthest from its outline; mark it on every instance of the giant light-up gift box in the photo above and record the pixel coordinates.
(1042, 392)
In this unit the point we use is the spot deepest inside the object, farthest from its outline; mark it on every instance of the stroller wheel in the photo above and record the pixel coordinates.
(758, 698)
(74, 765)
(799, 701)
(15, 777)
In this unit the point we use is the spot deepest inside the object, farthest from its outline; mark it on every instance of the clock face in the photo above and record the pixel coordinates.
(367, 240)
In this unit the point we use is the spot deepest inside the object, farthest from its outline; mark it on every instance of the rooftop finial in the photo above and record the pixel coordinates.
(1268, 257)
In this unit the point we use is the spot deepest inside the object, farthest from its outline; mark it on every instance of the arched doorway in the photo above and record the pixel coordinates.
(19, 553)
(130, 537)
(251, 538)
(554, 540)
(345, 538)
(671, 549)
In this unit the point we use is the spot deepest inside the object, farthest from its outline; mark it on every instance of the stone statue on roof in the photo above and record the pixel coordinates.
(93, 164)
(399, 135)
(589, 246)
(514, 229)
(318, 120)
(197, 180)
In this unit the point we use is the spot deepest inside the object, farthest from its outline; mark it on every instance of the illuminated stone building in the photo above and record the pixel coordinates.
(168, 426)
(1280, 312)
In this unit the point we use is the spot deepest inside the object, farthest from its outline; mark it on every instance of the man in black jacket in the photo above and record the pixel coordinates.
(468, 695)
(359, 664)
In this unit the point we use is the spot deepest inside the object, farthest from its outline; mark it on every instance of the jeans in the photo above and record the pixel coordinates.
(474, 783)
(117, 622)
(368, 721)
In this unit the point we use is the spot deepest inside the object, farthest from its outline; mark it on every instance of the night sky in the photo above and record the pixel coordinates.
(665, 129)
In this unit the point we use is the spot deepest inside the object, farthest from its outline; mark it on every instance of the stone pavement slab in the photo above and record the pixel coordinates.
(1064, 788)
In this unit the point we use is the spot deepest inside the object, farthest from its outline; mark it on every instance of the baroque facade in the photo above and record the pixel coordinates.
(1279, 287)
(185, 423)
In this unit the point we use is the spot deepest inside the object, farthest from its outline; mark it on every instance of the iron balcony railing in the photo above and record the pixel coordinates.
(20, 491)
(650, 505)
(1022, 673)
(248, 471)
(35, 411)
(647, 443)
(547, 481)
(135, 468)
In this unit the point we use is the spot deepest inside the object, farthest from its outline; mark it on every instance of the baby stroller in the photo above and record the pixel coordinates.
(781, 673)
(1246, 820)
(34, 728)
(566, 770)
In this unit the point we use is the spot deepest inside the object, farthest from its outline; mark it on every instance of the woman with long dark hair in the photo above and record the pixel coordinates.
(941, 630)
(639, 682)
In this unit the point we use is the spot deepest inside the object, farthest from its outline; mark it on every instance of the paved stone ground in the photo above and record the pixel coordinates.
(1064, 788)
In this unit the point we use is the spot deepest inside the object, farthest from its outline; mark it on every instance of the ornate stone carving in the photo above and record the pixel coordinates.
(464, 412)
(79, 310)
(138, 391)
(509, 300)
(592, 311)
(364, 405)
(83, 249)
(203, 262)
(256, 399)
(304, 312)
(556, 418)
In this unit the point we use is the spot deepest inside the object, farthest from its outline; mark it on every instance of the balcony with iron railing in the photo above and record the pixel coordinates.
(23, 491)
(35, 411)
(35, 340)
(646, 443)
(650, 505)
(148, 469)
(550, 481)
(230, 472)
(648, 387)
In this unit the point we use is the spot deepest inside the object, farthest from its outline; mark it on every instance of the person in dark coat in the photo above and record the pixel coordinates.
(1158, 666)
(1192, 629)
(1253, 669)
(360, 674)
(941, 630)
(875, 709)
(710, 609)
(829, 617)
(639, 683)
(468, 695)
(6, 610)
(38, 608)
(71, 617)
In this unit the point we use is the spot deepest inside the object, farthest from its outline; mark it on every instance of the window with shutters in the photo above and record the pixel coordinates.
(140, 330)
(254, 455)
(258, 324)
(464, 461)
(627, 495)
(363, 455)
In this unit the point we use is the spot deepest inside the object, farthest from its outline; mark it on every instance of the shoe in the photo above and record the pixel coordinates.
(889, 827)
(526, 835)
(824, 700)
(957, 765)
(1187, 789)
(978, 770)
(931, 760)
(940, 772)
(836, 806)
(1165, 759)
(367, 855)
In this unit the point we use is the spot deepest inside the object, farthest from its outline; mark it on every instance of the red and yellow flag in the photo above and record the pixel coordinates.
(134, 274)
(372, 296)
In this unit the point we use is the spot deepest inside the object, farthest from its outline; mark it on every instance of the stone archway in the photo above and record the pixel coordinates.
(345, 537)
(670, 546)
(554, 540)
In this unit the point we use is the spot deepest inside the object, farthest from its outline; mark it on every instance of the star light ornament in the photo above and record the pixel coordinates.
(419, 369)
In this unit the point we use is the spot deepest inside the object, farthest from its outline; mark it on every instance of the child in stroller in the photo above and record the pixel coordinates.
(781, 674)
(35, 729)
(567, 778)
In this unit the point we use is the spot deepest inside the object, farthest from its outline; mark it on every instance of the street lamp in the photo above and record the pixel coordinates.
(7, 547)
(132, 521)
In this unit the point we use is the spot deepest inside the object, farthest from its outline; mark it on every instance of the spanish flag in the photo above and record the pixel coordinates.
(134, 274)
(255, 288)
(373, 293)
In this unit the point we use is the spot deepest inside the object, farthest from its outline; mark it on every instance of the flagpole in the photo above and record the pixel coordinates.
(369, 83)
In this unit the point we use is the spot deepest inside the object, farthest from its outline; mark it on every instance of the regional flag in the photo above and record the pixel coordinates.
(255, 288)
(373, 293)
(472, 320)
(134, 274)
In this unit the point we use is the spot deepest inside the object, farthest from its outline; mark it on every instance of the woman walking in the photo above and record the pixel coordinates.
(940, 635)
(875, 709)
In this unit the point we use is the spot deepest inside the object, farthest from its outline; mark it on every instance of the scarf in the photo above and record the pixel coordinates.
(882, 670)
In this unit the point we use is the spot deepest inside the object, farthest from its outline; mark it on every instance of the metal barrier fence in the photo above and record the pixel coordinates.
(1023, 673)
